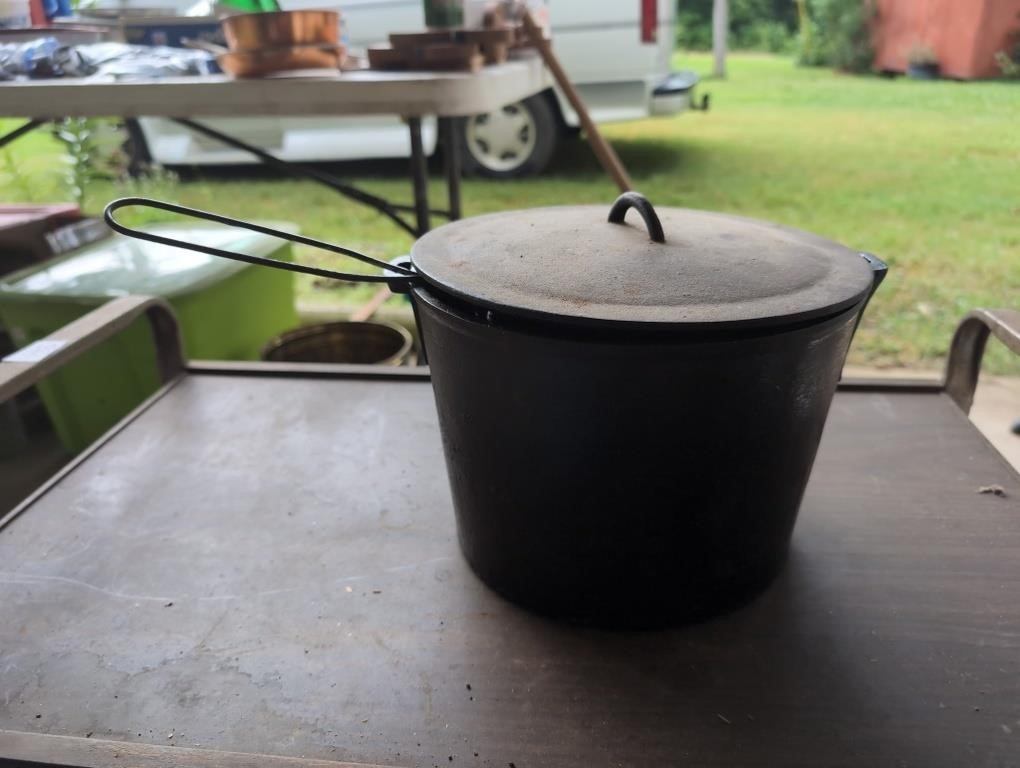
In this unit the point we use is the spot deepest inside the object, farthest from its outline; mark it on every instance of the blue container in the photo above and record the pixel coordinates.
(172, 30)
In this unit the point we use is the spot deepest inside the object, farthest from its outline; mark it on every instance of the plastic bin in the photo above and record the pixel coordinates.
(23, 231)
(227, 311)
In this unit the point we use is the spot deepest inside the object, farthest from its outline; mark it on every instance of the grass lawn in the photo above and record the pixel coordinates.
(924, 174)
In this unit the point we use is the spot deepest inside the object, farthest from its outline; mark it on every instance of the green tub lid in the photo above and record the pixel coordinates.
(118, 265)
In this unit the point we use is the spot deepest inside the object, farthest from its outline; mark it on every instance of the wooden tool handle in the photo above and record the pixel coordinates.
(603, 151)
(370, 307)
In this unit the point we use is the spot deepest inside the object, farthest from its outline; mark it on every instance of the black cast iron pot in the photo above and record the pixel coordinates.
(629, 418)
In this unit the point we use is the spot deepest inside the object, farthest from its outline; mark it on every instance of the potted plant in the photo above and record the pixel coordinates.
(922, 64)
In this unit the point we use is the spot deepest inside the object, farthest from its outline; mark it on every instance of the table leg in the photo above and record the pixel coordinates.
(20, 131)
(419, 174)
(450, 131)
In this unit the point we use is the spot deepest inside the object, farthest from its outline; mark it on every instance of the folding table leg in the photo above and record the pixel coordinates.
(20, 131)
(388, 209)
(450, 131)
(419, 175)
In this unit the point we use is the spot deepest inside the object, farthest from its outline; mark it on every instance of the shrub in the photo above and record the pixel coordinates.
(836, 33)
(771, 36)
(1009, 65)
(761, 25)
(693, 32)
(90, 148)
(1009, 59)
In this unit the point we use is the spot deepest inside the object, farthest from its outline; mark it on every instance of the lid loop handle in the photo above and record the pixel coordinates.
(640, 203)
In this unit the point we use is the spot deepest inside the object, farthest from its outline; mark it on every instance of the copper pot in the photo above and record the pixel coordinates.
(269, 61)
(281, 29)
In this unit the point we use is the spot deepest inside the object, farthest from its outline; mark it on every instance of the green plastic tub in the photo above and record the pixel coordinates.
(227, 311)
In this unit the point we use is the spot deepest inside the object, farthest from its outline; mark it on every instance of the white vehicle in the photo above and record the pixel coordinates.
(617, 52)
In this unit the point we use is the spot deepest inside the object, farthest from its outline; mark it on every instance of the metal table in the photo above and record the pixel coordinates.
(263, 560)
(411, 95)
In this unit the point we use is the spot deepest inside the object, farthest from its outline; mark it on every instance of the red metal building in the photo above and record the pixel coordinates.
(964, 34)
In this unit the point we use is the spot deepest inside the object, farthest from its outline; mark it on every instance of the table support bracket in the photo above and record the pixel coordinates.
(20, 131)
(392, 211)
(385, 207)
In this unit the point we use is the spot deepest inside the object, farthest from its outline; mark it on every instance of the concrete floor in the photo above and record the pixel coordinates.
(30, 468)
(996, 408)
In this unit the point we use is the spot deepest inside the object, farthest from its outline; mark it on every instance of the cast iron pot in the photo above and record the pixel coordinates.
(629, 419)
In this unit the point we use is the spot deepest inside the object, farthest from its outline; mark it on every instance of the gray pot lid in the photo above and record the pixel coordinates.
(571, 264)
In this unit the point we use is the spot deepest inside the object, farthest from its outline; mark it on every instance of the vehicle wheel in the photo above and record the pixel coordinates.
(139, 160)
(512, 142)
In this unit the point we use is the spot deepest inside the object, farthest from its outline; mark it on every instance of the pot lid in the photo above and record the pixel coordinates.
(574, 265)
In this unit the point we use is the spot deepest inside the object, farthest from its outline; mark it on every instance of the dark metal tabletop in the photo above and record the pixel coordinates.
(269, 565)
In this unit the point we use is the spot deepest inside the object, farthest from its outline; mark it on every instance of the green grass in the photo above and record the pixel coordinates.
(924, 174)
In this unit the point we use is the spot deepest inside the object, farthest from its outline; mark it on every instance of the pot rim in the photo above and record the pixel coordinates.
(636, 332)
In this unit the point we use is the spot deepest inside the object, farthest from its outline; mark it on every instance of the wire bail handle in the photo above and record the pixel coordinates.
(399, 278)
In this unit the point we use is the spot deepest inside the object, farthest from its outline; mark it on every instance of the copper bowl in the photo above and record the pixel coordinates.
(269, 61)
(281, 29)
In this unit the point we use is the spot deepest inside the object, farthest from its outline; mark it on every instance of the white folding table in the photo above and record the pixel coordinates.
(411, 95)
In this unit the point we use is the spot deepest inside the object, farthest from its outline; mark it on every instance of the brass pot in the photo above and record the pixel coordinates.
(281, 29)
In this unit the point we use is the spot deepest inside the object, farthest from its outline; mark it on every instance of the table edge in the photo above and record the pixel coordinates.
(444, 94)
(25, 747)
